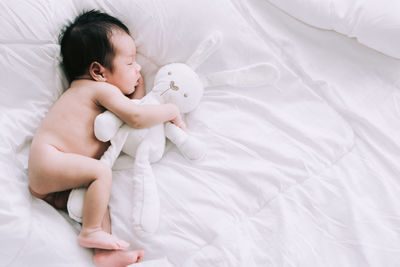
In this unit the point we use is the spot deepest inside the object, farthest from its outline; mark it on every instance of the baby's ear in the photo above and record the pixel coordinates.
(97, 72)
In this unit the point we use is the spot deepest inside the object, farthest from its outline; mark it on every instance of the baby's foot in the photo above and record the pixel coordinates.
(117, 258)
(100, 239)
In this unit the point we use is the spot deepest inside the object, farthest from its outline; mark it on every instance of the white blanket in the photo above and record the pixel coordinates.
(303, 173)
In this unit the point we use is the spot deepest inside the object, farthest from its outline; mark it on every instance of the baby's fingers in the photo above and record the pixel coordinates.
(179, 123)
(182, 125)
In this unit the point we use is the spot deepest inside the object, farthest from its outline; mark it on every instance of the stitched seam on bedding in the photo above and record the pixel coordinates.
(235, 224)
(312, 176)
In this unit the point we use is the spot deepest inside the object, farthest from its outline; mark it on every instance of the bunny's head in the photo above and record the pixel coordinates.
(177, 83)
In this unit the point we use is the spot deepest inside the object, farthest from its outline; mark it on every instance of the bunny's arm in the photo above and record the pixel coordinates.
(189, 146)
(106, 126)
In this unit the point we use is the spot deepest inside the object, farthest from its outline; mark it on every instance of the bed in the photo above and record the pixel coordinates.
(303, 172)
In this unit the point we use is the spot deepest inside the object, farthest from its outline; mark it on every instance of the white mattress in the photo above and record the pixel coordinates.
(303, 173)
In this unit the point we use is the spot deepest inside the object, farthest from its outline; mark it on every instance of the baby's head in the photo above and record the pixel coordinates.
(98, 46)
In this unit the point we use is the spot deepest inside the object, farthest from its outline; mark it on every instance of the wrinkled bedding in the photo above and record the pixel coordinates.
(374, 23)
(300, 173)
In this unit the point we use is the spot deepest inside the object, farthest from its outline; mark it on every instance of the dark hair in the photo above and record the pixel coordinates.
(87, 39)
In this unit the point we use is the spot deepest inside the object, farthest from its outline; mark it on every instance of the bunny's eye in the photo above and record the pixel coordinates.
(185, 95)
(169, 73)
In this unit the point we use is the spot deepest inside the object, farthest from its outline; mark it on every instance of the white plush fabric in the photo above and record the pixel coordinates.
(375, 23)
(303, 172)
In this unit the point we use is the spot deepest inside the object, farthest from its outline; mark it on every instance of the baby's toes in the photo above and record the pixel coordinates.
(140, 255)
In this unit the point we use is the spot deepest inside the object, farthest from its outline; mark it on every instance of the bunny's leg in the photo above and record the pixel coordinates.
(189, 146)
(146, 203)
(117, 142)
(77, 195)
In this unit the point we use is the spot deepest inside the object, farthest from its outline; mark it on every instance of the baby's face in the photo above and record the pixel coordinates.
(126, 71)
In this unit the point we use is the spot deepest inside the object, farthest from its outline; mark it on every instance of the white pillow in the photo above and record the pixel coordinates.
(375, 23)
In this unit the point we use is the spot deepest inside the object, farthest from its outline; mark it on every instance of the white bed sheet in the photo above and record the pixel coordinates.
(303, 173)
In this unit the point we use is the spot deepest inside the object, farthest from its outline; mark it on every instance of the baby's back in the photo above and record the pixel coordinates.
(69, 125)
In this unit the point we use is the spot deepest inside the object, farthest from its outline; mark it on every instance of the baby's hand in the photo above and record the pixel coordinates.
(140, 84)
(179, 122)
(140, 89)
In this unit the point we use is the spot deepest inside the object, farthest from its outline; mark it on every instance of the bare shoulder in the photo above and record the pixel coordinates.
(99, 92)
(108, 96)
(103, 91)
(103, 88)
(93, 86)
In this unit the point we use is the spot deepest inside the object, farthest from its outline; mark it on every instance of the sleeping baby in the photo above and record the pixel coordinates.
(99, 61)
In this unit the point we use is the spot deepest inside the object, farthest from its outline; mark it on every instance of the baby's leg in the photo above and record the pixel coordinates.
(53, 171)
(115, 258)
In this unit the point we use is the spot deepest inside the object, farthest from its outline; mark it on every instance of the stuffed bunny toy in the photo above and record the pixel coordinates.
(175, 83)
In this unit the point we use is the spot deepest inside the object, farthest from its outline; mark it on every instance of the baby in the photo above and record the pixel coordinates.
(99, 61)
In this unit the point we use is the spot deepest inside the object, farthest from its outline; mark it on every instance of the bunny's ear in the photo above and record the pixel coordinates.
(249, 76)
(204, 50)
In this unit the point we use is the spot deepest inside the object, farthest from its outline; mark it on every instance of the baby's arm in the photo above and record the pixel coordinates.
(137, 116)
